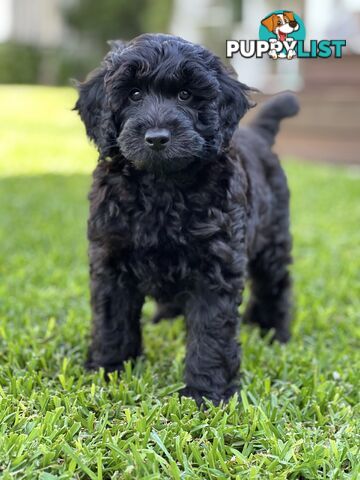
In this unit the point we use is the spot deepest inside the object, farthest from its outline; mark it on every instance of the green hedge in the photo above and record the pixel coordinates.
(19, 63)
(55, 66)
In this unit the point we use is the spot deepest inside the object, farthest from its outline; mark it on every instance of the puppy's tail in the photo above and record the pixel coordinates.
(267, 121)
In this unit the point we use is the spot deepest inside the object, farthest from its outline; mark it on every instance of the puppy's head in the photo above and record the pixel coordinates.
(162, 103)
(281, 24)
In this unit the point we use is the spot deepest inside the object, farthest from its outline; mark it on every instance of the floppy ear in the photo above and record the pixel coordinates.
(90, 102)
(289, 15)
(269, 22)
(93, 104)
(95, 112)
(234, 102)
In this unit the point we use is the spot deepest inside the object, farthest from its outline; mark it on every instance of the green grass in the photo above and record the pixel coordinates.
(297, 416)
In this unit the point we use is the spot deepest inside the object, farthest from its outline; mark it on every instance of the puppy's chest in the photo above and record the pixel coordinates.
(164, 248)
(166, 233)
(160, 220)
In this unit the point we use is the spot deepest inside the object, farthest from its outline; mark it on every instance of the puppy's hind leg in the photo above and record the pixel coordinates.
(270, 301)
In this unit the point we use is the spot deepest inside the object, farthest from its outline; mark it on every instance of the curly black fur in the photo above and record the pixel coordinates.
(186, 224)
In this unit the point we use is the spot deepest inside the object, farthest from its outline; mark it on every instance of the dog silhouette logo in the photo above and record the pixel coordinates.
(282, 29)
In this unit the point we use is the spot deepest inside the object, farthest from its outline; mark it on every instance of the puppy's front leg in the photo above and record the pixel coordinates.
(116, 308)
(213, 353)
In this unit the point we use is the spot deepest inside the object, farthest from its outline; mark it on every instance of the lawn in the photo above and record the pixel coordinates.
(297, 416)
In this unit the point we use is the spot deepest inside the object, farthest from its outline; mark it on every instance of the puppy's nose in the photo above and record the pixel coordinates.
(157, 138)
(293, 23)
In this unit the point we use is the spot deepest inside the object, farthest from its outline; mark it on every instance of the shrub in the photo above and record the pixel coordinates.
(19, 63)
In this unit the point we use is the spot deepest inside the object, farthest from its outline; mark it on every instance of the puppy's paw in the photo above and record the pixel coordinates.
(92, 366)
(263, 315)
(215, 397)
(197, 395)
(273, 54)
(291, 54)
(282, 335)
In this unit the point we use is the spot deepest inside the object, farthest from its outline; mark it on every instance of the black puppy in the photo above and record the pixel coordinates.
(183, 207)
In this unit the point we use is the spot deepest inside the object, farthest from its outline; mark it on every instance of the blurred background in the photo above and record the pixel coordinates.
(50, 41)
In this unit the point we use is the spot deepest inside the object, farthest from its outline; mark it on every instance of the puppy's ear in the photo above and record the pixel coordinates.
(289, 15)
(270, 22)
(93, 104)
(94, 110)
(90, 102)
(234, 102)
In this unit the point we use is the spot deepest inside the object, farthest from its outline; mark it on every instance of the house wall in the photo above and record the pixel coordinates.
(5, 19)
(37, 22)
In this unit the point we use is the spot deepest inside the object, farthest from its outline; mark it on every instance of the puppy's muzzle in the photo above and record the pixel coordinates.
(157, 138)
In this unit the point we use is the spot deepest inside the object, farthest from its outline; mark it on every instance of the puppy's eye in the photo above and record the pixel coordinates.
(135, 95)
(184, 95)
(279, 23)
